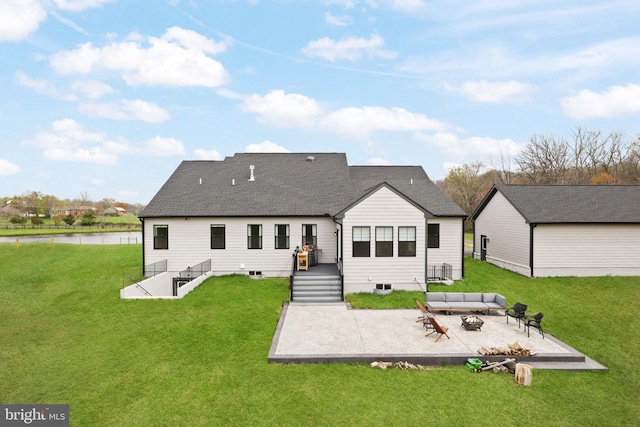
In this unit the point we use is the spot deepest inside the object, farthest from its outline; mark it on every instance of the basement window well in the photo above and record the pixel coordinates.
(383, 288)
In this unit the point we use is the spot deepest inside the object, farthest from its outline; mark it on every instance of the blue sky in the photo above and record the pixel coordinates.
(106, 97)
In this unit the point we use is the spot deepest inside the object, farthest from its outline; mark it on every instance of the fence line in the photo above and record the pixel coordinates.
(123, 240)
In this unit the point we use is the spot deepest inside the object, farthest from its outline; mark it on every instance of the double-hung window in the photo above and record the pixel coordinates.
(309, 234)
(406, 241)
(160, 237)
(281, 236)
(384, 241)
(254, 236)
(361, 241)
(433, 235)
(217, 236)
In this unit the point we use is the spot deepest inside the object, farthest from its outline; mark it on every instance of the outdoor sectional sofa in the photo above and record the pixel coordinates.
(465, 301)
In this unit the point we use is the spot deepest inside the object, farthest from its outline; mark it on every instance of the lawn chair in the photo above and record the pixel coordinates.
(425, 316)
(517, 311)
(440, 330)
(535, 321)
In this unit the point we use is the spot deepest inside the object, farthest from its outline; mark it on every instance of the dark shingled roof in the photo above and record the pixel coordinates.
(555, 204)
(286, 184)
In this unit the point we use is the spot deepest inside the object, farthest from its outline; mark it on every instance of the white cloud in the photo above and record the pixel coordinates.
(202, 154)
(283, 110)
(298, 111)
(8, 168)
(97, 181)
(43, 87)
(338, 21)
(482, 147)
(92, 89)
(614, 102)
(359, 123)
(378, 161)
(265, 147)
(164, 147)
(67, 140)
(126, 109)
(492, 92)
(350, 48)
(19, 18)
(178, 58)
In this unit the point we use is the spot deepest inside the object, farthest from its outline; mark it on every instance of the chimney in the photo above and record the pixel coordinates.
(251, 168)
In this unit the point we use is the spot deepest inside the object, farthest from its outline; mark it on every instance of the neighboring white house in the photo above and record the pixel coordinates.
(560, 230)
(249, 213)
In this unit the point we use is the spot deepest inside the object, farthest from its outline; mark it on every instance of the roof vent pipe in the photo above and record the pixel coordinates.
(251, 168)
(233, 181)
(200, 181)
(411, 181)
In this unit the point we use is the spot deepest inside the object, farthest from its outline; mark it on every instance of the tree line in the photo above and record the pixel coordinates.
(588, 157)
(36, 204)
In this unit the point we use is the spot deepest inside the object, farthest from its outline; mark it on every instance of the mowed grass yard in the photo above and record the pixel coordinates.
(66, 337)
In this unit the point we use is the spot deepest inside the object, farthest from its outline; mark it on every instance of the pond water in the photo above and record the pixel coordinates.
(116, 238)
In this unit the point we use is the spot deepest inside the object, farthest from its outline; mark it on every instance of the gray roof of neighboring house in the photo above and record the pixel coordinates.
(286, 184)
(555, 204)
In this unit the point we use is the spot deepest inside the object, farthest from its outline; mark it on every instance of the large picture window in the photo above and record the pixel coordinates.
(406, 241)
(160, 237)
(433, 235)
(361, 241)
(384, 241)
(282, 236)
(254, 236)
(309, 234)
(217, 236)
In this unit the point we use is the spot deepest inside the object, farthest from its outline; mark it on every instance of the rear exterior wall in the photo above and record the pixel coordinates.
(190, 244)
(385, 208)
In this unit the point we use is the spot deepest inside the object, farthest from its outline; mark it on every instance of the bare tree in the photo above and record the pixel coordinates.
(545, 160)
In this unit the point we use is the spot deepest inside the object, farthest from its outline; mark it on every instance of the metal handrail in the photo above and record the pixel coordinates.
(196, 271)
(293, 272)
(155, 268)
(143, 290)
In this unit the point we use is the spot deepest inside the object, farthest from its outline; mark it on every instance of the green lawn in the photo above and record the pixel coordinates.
(66, 337)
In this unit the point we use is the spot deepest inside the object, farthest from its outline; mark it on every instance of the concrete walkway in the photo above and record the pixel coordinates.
(337, 334)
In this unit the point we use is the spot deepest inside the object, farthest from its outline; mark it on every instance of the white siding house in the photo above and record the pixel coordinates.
(251, 213)
(560, 230)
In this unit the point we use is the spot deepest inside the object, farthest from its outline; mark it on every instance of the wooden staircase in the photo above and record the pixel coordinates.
(314, 289)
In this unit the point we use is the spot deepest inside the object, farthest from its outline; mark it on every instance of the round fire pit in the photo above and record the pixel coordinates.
(472, 323)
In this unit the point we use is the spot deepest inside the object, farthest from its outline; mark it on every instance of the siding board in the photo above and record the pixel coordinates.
(586, 250)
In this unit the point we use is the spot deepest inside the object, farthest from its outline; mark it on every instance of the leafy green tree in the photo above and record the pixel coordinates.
(88, 218)
(69, 219)
(36, 220)
(18, 220)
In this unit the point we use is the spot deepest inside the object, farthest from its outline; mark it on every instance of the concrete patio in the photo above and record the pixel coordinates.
(337, 334)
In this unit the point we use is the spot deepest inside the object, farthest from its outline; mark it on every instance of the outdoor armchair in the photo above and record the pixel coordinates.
(535, 321)
(438, 329)
(424, 318)
(517, 311)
